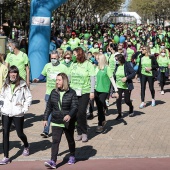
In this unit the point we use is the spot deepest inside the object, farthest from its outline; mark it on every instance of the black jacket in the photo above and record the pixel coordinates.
(69, 105)
(129, 74)
(154, 65)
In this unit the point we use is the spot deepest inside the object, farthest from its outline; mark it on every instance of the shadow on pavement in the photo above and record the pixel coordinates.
(34, 148)
(30, 118)
(35, 101)
(82, 154)
(13, 144)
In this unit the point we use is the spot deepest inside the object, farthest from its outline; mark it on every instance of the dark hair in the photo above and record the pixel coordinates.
(81, 57)
(120, 58)
(14, 69)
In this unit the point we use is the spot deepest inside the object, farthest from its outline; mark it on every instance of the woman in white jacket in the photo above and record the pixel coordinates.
(15, 98)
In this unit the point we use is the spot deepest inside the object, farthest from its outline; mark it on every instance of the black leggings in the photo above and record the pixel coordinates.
(56, 139)
(150, 80)
(162, 80)
(6, 123)
(100, 98)
(127, 94)
(81, 114)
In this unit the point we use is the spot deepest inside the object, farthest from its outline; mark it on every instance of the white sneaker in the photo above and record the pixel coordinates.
(107, 103)
(162, 92)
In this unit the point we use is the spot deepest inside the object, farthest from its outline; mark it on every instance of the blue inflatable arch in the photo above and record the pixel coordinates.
(40, 29)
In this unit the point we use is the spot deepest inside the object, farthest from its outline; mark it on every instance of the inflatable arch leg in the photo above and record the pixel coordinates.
(40, 29)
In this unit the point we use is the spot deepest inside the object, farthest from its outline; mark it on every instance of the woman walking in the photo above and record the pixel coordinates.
(124, 73)
(104, 79)
(82, 80)
(147, 71)
(15, 99)
(63, 106)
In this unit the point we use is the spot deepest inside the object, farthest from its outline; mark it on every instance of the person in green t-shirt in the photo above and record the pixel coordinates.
(74, 42)
(64, 46)
(50, 71)
(124, 73)
(18, 59)
(163, 73)
(82, 80)
(104, 78)
(67, 58)
(147, 69)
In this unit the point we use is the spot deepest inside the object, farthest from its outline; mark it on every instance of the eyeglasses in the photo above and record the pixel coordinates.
(143, 49)
(67, 57)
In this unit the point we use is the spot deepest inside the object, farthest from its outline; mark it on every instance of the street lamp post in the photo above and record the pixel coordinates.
(1, 4)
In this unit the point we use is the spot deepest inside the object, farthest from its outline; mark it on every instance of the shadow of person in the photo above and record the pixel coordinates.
(157, 102)
(31, 118)
(13, 144)
(34, 148)
(82, 154)
(35, 101)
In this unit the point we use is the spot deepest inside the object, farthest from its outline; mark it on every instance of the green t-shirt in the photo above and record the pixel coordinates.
(163, 62)
(51, 73)
(67, 64)
(12, 88)
(20, 61)
(74, 43)
(120, 73)
(93, 50)
(112, 63)
(80, 76)
(61, 98)
(64, 47)
(146, 62)
(102, 79)
(130, 52)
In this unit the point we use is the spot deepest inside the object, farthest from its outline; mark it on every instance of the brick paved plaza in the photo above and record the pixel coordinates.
(144, 135)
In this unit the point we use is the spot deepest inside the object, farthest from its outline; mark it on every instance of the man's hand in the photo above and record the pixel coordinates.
(35, 81)
(124, 79)
(45, 123)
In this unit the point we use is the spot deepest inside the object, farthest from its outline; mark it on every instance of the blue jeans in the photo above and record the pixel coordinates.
(47, 128)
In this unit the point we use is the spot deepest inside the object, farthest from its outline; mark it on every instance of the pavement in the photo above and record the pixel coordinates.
(139, 142)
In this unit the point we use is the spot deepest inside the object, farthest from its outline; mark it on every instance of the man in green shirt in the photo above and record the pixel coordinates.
(74, 41)
(18, 59)
(50, 72)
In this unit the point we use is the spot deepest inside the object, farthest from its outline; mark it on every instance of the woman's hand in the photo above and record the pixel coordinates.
(67, 118)
(45, 123)
(91, 96)
(124, 79)
(116, 95)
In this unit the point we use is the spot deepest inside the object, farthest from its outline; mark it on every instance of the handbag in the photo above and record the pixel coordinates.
(66, 124)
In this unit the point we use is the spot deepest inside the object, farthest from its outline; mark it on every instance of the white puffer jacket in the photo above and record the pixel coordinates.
(16, 103)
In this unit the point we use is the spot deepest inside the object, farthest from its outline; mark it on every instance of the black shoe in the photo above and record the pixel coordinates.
(107, 112)
(119, 117)
(90, 116)
(44, 134)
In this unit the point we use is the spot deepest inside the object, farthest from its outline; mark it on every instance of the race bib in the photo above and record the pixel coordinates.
(78, 92)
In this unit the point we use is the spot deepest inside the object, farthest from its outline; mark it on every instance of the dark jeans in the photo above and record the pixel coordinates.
(6, 123)
(162, 80)
(56, 139)
(100, 98)
(127, 94)
(81, 114)
(47, 128)
(144, 80)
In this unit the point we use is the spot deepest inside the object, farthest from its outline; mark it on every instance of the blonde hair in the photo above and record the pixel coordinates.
(1, 58)
(148, 49)
(102, 62)
(68, 53)
(60, 52)
(65, 81)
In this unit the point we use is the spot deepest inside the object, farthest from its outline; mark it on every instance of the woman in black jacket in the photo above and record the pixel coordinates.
(147, 72)
(63, 105)
(124, 73)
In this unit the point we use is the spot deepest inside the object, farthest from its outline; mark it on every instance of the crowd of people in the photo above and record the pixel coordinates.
(91, 65)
